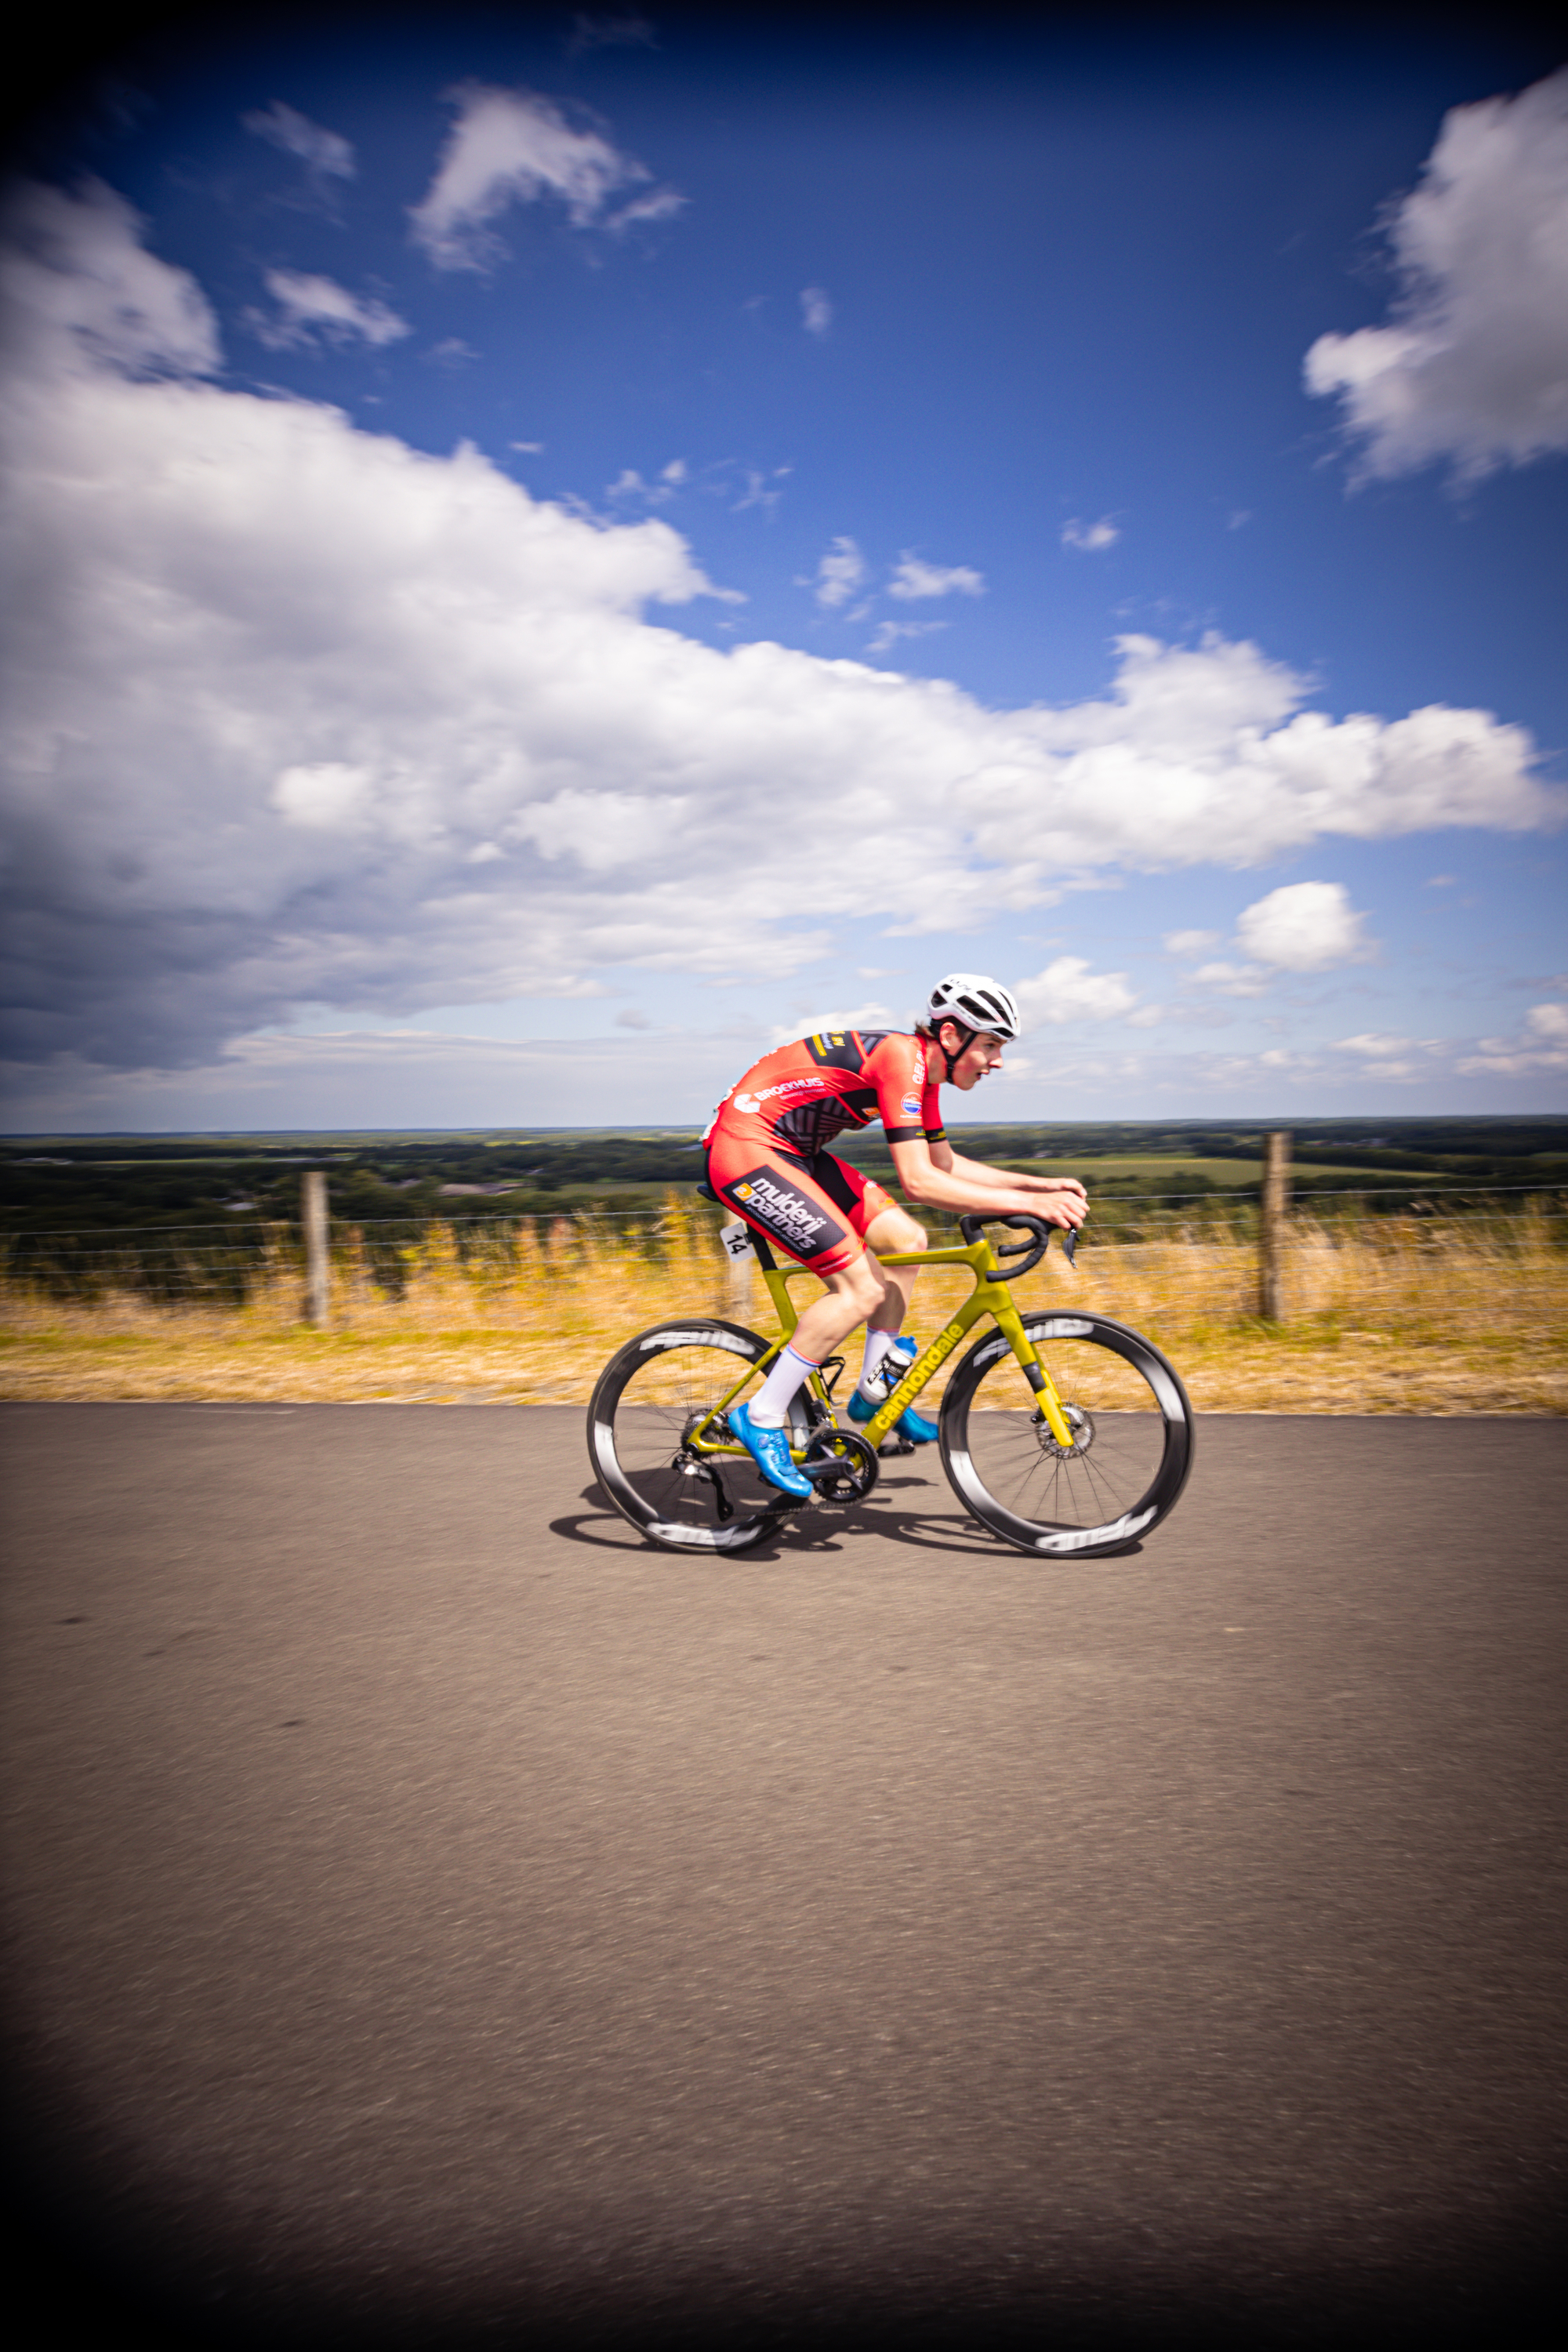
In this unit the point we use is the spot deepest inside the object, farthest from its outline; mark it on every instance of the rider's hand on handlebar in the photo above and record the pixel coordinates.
(1059, 1200)
(1067, 1206)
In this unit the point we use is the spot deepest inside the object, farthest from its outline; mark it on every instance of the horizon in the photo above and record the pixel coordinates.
(1261, 1121)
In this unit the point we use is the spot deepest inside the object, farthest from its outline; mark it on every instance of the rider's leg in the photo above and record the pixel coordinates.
(894, 1229)
(853, 1293)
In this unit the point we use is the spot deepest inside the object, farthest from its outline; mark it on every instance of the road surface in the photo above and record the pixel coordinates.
(438, 1918)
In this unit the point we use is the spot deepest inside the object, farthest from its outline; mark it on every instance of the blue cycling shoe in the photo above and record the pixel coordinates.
(909, 1425)
(769, 1449)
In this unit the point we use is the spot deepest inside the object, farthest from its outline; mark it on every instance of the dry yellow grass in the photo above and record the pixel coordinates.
(1385, 1316)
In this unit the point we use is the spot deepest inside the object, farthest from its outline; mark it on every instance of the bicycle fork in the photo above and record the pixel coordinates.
(986, 1298)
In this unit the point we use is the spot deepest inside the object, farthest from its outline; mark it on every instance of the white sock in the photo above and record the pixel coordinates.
(770, 1407)
(877, 1343)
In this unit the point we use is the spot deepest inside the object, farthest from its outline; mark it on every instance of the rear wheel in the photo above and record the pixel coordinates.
(1132, 1438)
(653, 1397)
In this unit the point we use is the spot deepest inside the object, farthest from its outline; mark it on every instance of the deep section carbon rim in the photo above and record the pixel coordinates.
(1132, 1438)
(651, 1395)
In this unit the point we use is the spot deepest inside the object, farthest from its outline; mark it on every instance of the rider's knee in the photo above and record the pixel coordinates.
(865, 1283)
(902, 1234)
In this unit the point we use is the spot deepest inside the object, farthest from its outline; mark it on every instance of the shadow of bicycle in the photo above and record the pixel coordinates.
(940, 1526)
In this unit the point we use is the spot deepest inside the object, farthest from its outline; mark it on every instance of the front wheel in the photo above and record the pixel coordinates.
(1132, 1438)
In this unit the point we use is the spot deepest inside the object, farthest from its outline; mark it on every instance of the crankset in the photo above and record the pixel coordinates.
(841, 1467)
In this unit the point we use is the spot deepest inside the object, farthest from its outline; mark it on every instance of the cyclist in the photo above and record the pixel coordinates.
(768, 1157)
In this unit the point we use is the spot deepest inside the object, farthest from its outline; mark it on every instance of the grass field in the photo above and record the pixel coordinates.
(1157, 1175)
(1385, 1315)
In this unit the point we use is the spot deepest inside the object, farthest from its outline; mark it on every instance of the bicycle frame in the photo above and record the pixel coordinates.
(990, 1295)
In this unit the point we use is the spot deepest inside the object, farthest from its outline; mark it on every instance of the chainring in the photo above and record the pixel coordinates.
(858, 1475)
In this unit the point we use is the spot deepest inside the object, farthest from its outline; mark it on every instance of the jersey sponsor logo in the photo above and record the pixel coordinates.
(804, 1230)
(911, 1106)
(812, 1084)
(838, 1050)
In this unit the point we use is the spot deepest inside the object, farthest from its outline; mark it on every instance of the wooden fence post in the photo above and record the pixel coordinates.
(1272, 1214)
(313, 1205)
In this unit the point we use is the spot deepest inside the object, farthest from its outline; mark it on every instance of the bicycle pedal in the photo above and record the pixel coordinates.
(893, 1445)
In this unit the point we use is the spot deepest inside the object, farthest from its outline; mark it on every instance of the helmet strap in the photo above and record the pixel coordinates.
(967, 1037)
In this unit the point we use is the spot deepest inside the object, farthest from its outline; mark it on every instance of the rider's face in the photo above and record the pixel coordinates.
(981, 1054)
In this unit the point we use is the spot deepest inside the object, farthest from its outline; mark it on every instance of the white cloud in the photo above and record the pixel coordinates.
(333, 798)
(1189, 944)
(80, 292)
(838, 574)
(1305, 927)
(513, 146)
(1089, 537)
(1543, 1046)
(1474, 363)
(890, 632)
(1375, 1046)
(912, 579)
(1233, 978)
(1386, 1057)
(1067, 992)
(325, 154)
(756, 490)
(659, 204)
(815, 310)
(309, 307)
(281, 689)
(812, 1024)
(630, 485)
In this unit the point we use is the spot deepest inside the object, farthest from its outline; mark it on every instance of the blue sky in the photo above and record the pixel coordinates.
(558, 550)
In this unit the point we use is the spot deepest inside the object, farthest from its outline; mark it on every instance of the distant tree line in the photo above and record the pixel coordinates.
(105, 1183)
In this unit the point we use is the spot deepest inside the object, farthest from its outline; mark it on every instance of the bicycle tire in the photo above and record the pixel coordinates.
(1133, 1447)
(645, 1398)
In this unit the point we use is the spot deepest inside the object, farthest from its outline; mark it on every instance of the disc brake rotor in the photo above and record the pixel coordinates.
(1082, 1427)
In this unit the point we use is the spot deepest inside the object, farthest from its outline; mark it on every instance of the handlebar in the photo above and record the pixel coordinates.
(1031, 1253)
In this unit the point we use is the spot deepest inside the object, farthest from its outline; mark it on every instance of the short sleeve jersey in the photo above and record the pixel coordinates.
(804, 1094)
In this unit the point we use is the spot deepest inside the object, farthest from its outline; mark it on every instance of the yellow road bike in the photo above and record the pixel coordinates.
(1065, 1434)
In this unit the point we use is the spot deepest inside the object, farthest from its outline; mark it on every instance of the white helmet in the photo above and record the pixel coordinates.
(973, 1001)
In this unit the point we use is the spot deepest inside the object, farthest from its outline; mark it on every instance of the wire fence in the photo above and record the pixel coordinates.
(386, 1260)
(1461, 1310)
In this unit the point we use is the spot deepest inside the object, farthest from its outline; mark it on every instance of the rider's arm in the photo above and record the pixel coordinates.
(975, 1172)
(935, 1177)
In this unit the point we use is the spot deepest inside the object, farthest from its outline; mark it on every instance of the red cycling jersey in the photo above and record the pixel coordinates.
(801, 1096)
(768, 1139)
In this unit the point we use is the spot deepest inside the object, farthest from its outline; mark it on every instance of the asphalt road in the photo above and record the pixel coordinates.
(438, 1918)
